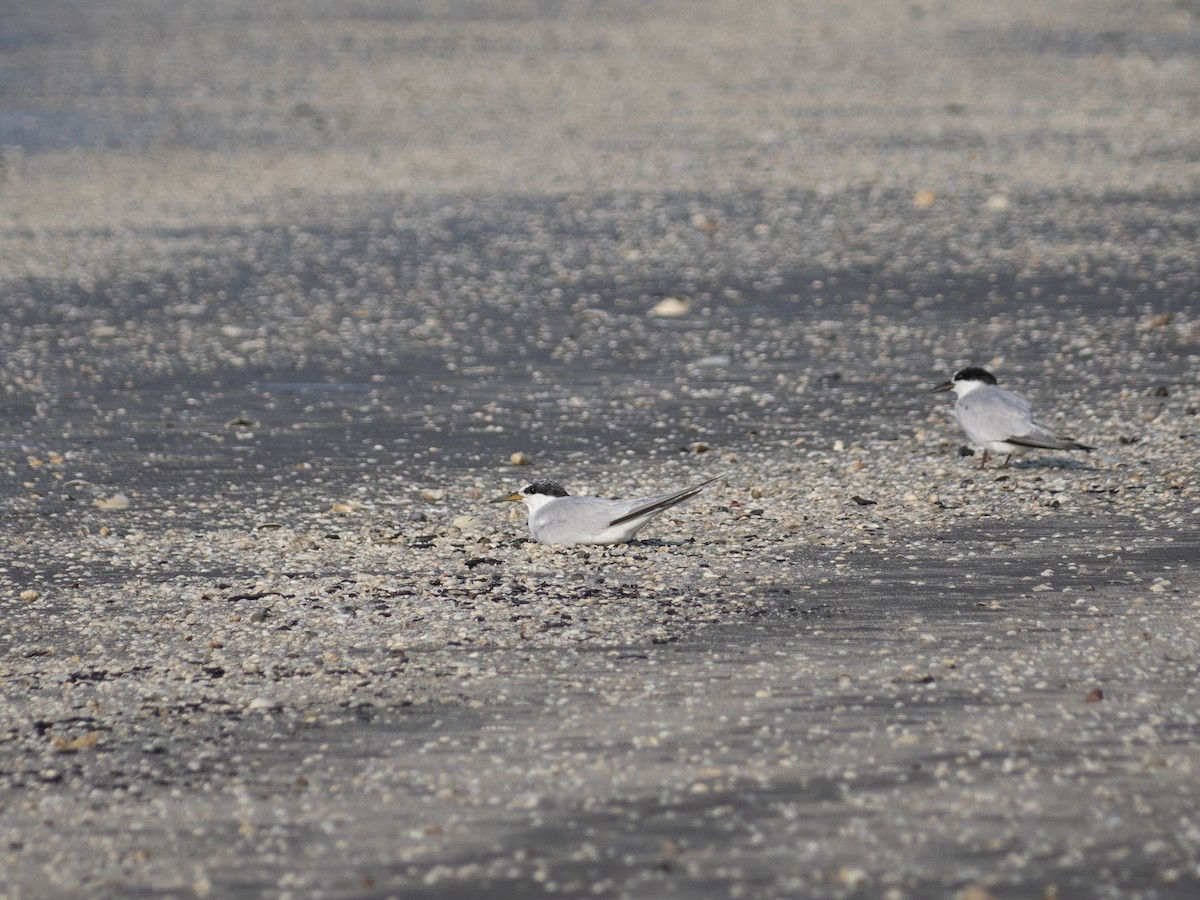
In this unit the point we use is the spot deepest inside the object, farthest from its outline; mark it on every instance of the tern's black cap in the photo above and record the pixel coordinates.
(975, 373)
(547, 487)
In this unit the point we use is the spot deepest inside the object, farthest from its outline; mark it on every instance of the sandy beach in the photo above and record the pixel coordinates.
(290, 291)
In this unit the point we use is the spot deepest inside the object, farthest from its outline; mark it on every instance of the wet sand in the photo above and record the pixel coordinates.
(286, 288)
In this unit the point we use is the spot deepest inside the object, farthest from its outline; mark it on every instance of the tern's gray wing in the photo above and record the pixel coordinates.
(649, 506)
(994, 414)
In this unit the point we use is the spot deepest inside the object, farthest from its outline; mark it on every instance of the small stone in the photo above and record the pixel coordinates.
(851, 877)
(116, 501)
(671, 307)
(975, 892)
(202, 886)
(29, 595)
(67, 745)
(528, 800)
(520, 458)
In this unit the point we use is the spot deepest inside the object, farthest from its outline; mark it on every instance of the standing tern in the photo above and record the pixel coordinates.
(555, 517)
(999, 420)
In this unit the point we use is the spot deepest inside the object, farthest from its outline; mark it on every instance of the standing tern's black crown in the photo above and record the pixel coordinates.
(975, 373)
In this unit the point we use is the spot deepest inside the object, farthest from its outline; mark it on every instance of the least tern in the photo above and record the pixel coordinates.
(999, 420)
(555, 517)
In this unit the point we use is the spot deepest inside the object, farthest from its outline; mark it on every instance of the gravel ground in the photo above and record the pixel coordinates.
(290, 292)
